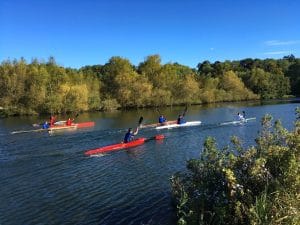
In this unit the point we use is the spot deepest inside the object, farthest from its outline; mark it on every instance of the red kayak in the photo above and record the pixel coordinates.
(84, 124)
(122, 145)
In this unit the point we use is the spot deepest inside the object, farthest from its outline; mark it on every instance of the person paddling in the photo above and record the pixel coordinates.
(52, 120)
(45, 125)
(129, 136)
(69, 122)
(244, 114)
(162, 119)
(240, 117)
(180, 119)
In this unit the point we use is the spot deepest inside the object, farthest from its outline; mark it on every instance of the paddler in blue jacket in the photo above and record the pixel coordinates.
(162, 119)
(181, 120)
(45, 125)
(130, 135)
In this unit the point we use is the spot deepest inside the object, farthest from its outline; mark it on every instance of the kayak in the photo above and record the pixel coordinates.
(79, 125)
(239, 121)
(158, 124)
(61, 127)
(122, 145)
(61, 122)
(71, 127)
(58, 128)
(187, 124)
(84, 124)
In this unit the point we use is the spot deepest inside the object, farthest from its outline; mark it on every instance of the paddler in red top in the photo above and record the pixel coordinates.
(69, 122)
(52, 120)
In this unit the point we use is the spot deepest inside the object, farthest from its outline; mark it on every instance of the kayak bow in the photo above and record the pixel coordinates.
(122, 145)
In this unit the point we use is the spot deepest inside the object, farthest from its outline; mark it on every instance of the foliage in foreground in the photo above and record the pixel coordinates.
(233, 185)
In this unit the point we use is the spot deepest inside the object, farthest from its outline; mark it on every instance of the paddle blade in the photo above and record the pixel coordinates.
(159, 137)
(141, 120)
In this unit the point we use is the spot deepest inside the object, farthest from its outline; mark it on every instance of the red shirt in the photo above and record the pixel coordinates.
(69, 122)
(52, 120)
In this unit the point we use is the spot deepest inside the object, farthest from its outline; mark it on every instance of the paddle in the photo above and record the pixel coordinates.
(158, 111)
(156, 137)
(77, 114)
(184, 112)
(140, 121)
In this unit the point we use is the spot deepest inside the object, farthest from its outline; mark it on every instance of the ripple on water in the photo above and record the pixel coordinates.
(48, 179)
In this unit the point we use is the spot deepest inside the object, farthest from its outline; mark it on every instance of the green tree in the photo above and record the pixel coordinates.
(294, 74)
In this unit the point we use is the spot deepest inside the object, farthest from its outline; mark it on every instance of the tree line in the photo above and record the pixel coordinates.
(46, 87)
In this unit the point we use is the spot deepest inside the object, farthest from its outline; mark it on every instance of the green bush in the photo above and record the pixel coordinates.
(233, 185)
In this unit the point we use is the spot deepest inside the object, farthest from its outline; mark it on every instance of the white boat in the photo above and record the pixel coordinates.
(239, 121)
(61, 122)
(187, 124)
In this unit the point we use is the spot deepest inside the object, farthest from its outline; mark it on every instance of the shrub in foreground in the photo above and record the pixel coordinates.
(234, 185)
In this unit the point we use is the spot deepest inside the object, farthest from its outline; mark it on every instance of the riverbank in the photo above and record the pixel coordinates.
(15, 112)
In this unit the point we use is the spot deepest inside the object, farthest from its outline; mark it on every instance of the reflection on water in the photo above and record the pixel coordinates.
(48, 180)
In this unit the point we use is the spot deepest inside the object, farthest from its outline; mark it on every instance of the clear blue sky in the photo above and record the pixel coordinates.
(89, 32)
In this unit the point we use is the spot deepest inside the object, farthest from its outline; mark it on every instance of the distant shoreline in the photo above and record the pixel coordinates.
(287, 100)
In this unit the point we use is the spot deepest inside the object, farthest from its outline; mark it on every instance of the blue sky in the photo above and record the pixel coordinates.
(89, 32)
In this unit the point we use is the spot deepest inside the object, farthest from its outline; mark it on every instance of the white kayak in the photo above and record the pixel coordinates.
(61, 122)
(239, 121)
(187, 124)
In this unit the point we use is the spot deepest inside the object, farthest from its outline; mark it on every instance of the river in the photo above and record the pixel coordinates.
(47, 179)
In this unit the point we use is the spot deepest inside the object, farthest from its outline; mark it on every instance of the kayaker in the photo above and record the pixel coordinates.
(69, 122)
(130, 135)
(45, 125)
(240, 117)
(162, 119)
(52, 120)
(180, 119)
(244, 114)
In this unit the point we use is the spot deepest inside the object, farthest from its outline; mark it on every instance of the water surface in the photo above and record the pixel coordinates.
(46, 179)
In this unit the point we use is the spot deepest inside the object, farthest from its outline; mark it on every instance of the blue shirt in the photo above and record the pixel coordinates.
(161, 119)
(128, 137)
(45, 125)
